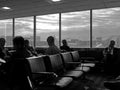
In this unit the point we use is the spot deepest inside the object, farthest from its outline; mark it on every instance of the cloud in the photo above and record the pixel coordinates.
(25, 32)
(106, 17)
(44, 27)
(80, 27)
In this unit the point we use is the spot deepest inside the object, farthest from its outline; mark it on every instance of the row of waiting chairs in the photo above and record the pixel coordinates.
(58, 70)
(54, 71)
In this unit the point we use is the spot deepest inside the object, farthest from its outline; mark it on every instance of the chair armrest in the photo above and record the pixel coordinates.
(88, 61)
(44, 73)
(71, 65)
(43, 78)
(88, 58)
(73, 62)
(2, 60)
(118, 78)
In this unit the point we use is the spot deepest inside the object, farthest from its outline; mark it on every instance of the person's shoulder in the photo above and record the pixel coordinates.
(68, 47)
(55, 46)
(30, 47)
(48, 50)
(61, 46)
(106, 48)
(52, 50)
(116, 49)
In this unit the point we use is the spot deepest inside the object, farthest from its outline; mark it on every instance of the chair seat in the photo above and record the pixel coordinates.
(85, 69)
(57, 82)
(64, 81)
(75, 74)
(88, 64)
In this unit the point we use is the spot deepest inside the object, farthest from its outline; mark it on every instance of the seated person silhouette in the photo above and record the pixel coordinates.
(30, 48)
(111, 54)
(65, 46)
(52, 49)
(111, 49)
(14, 69)
(4, 54)
(20, 50)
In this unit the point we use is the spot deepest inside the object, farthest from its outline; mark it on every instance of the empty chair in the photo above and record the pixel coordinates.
(68, 62)
(54, 63)
(44, 78)
(76, 58)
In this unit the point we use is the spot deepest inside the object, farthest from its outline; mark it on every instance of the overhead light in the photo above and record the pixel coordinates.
(6, 8)
(55, 0)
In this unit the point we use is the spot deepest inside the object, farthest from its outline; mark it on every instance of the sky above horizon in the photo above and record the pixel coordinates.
(106, 22)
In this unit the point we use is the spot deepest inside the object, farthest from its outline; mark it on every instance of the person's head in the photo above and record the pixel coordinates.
(112, 43)
(26, 42)
(64, 42)
(2, 42)
(50, 40)
(18, 42)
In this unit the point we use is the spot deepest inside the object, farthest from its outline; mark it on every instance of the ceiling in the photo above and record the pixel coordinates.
(22, 8)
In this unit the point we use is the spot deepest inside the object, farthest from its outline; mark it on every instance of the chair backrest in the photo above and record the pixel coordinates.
(37, 64)
(76, 56)
(18, 73)
(66, 57)
(54, 63)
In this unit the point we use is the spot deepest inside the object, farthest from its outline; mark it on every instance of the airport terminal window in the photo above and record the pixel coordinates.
(6, 31)
(106, 27)
(24, 27)
(76, 28)
(47, 25)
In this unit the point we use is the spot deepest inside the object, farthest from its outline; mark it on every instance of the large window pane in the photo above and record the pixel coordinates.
(24, 27)
(47, 25)
(106, 27)
(6, 31)
(76, 28)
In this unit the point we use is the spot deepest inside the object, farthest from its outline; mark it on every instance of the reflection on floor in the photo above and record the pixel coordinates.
(94, 81)
(98, 80)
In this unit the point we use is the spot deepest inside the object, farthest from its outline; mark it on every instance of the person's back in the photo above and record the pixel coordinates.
(14, 68)
(30, 48)
(65, 46)
(20, 50)
(53, 49)
(17, 73)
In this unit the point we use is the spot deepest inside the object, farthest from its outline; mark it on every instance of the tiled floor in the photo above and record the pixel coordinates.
(92, 82)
